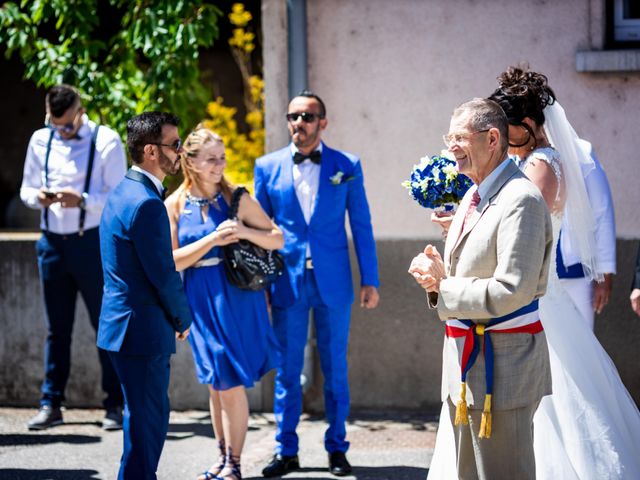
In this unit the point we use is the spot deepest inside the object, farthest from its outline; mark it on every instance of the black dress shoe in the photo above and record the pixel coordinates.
(338, 464)
(281, 465)
(46, 417)
(112, 419)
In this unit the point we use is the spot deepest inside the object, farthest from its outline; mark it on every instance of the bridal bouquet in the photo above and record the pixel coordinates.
(435, 183)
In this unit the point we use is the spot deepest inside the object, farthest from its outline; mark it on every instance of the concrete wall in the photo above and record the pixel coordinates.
(392, 72)
(394, 352)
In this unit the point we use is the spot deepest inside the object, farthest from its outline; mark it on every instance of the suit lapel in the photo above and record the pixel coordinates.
(146, 181)
(322, 198)
(509, 171)
(289, 196)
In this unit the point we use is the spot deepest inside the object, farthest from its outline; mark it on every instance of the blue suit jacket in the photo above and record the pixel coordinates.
(325, 233)
(143, 303)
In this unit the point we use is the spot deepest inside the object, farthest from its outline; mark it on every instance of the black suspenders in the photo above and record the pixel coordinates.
(87, 179)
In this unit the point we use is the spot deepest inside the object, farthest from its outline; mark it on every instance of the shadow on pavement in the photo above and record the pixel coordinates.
(362, 473)
(180, 431)
(35, 439)
(49, 474)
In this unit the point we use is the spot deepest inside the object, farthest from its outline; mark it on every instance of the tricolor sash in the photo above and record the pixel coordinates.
(523, 320)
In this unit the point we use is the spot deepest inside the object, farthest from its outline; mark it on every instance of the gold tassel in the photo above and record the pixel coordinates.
(461, 407)
(485, 423)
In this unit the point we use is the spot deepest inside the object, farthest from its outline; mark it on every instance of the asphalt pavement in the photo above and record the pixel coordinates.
(384, 445)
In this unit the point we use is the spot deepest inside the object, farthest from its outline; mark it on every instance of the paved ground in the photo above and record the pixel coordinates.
(397, 446)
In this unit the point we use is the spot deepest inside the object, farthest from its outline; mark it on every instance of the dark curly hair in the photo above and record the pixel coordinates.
(523, 93)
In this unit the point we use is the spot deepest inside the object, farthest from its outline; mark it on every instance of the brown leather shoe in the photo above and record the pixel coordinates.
(338, 464)
(281, 465)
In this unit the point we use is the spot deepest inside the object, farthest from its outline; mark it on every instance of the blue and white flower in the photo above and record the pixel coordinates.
(436, 183)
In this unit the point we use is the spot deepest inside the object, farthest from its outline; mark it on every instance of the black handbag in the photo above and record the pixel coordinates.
(247, 265)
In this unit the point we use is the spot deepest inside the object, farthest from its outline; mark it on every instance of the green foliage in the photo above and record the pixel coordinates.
(241, 149)
(150, 63)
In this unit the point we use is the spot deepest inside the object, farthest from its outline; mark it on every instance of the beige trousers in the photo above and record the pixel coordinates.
(506, 455)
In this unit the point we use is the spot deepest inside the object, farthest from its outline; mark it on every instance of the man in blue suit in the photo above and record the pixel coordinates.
(144, 308)
(308, 188)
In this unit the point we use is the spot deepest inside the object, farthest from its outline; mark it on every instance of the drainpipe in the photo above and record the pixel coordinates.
(297, 50)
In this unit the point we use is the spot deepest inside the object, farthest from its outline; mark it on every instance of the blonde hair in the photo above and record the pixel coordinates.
(191, 148)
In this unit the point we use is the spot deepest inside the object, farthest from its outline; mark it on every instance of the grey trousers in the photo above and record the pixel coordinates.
(506, 455)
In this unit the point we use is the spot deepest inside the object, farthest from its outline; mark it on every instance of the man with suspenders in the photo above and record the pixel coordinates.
(70, 167)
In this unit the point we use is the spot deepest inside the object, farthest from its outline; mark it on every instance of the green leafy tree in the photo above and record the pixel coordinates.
(149, 63)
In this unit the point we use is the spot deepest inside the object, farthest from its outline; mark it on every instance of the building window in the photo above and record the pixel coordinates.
(624, 23)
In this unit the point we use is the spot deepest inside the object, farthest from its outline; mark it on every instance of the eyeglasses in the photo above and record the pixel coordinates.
(306, 117)
(66, 128)
(175, 146)
(457, 138)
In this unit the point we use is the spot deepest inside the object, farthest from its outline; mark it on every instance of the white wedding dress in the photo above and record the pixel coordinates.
(589, 428)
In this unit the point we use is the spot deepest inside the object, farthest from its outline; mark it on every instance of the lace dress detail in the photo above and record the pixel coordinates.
(551, 157)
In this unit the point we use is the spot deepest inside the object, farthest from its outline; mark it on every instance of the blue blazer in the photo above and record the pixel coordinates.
(325, 233)
(143, 303)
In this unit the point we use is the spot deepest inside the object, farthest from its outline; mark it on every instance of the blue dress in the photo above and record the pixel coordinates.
(231, 337)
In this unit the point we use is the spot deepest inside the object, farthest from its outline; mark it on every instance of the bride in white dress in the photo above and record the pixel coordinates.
(589, 428)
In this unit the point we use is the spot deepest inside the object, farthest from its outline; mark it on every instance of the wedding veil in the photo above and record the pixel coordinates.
(578, 223)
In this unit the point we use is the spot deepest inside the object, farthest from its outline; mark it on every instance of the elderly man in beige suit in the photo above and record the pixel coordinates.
(496, 260)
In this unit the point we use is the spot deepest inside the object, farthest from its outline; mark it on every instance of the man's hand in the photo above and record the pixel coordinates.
(602, 292)
(428, 269)
(47, 197)
(369, 296)
(635, 300)
(182, 336)
(68, 197)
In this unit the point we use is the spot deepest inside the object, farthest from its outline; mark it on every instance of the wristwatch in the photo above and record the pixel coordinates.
(82, 203)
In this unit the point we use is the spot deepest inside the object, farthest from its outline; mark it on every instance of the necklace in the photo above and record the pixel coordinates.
(200, 201)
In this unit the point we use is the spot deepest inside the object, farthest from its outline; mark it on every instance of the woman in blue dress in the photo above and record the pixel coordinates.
(231, 338)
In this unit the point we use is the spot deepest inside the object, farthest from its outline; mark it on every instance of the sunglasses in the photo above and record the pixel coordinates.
(306, 117)
(66, 128)
(175, 146)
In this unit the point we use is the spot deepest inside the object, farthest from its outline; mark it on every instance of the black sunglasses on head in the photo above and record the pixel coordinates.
(306, 117)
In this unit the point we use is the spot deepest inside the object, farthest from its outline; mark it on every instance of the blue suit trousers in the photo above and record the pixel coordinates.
(69, 264)
(332, 334)
(145, 383)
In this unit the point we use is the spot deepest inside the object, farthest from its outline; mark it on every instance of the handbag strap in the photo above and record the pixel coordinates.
(235, 202)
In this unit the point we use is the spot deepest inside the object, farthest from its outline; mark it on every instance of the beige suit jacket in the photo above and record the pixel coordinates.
(496, 265)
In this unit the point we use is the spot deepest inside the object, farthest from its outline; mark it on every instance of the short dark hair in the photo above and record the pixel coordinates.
(484, 114)
(310, 94)
(146, 128)
(61, 98)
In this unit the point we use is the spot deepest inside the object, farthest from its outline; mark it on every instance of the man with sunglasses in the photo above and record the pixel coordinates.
(71, 166)
(144, 309)
(308, 188)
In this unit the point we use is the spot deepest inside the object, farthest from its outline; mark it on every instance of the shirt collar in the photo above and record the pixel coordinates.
(294, 149)
(156, 181)
(485, 185)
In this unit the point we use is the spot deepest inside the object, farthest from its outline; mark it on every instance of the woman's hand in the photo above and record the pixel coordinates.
(226, 233)
(444, 220)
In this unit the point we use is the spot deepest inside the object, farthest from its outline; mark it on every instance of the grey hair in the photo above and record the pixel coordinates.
(484, 114)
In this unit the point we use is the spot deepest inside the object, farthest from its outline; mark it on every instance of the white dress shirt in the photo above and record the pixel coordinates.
(601, 204)
(68, 160)
(306, 179)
